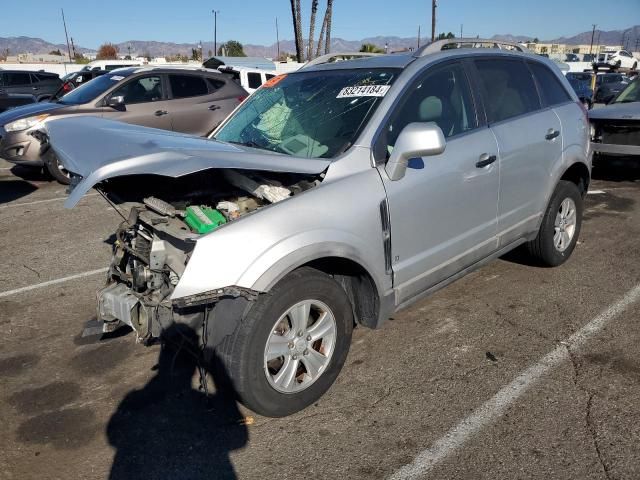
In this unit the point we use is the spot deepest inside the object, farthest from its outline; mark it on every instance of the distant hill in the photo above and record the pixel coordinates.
(156, 48)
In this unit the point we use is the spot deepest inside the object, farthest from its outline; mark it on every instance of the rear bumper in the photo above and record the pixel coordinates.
(612, 149)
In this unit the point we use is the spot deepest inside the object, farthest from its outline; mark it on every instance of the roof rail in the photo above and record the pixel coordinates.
(452, 43)
(337, 57)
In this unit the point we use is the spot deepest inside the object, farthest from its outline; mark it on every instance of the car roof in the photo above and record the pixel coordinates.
(402, 60)
(163, 69)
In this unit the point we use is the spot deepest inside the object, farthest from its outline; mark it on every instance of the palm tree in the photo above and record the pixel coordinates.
(327, 45)
(297, 28)
(321, 37)
(312, 26)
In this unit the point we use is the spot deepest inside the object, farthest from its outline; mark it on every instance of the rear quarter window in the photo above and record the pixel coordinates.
(183, 86)
(215, 84)
(507, 88)
(551, 90)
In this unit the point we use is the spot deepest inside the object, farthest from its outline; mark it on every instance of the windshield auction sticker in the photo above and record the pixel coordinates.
(364, 91)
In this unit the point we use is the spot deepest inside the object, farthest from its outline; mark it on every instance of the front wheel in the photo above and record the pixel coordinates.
(55, 168)
(291, 345)
(560, 226)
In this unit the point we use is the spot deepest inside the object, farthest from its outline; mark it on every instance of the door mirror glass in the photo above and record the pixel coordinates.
(415, 140)
(116, 102)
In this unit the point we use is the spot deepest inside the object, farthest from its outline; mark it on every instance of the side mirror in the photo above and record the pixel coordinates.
(116, 102)
(415, 140)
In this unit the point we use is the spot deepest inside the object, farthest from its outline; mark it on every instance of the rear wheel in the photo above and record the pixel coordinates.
(635, 66)
(560, 226)
(55, 168)
(291, 345)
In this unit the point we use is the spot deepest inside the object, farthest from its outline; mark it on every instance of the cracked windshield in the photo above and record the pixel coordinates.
(314, 114)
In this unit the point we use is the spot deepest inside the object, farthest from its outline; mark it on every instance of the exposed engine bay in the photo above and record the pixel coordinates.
(165, 219)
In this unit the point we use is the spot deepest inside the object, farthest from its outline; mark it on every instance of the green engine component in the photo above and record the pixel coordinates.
(203, 219)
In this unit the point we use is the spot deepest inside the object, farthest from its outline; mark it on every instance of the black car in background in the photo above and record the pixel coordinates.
(74, 80)
(615, 129)
(12, 100)
(42, 85)
(608, 85)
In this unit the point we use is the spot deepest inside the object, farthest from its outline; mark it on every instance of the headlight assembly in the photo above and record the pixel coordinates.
(24, 123)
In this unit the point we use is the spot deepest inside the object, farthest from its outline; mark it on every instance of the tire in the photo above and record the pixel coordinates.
(635, 66)
(53, 167)
(244, 353)
(545, 247)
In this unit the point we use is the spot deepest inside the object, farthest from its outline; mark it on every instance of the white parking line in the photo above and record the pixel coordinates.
(25, 204)
(493, 408)
(52, 282)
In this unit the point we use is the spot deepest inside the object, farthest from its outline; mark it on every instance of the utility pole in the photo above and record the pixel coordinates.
(277, 40)
(418, 36)
(434, 4)
(65, 33)
(593, 32)
(215, 31)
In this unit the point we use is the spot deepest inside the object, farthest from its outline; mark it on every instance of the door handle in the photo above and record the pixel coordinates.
(214, 107)
(551, 134)
(485, 160)
(34, 88)
(160, 113)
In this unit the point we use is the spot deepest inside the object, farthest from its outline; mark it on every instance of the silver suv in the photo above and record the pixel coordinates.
(333, 197)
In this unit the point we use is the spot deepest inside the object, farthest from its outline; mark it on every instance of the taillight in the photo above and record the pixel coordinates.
(242, 98)
(67, 87)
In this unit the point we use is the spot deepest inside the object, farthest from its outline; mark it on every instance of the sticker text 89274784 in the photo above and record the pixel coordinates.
(364, 91)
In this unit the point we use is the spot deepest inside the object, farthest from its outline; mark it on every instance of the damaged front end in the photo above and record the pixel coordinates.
(154, 244)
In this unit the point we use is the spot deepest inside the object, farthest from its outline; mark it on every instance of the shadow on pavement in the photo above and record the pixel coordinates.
(167, 430)
(616, 169)
(19, 186)
(14, 189)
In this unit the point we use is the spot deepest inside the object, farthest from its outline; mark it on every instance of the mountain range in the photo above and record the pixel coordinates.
(155, 48)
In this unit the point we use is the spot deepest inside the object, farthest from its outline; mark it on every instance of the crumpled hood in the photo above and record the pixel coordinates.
(28, 111)
(617, 111)
(98, 149)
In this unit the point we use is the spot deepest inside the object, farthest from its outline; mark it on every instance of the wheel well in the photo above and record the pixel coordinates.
(357, 283)
(578, 173)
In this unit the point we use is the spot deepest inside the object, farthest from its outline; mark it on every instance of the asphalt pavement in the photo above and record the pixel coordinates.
(515, 371)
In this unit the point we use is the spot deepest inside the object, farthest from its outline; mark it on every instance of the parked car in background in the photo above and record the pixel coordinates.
(616, 59)
(608, 85)
(335, 195)
(74, 80)
(615, 129)
(191, 101)
(41, 85)
(13, 100)
(571, 57)
(111, 64)
(582, 89)
(248, 78)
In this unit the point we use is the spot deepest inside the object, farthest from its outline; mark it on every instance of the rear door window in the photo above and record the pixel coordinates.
(183, 86)
(17, 79)
(255, 80)
(552, 91)
(507, 88)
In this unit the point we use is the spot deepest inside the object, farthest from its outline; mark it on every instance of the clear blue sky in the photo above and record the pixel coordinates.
(91, 23)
